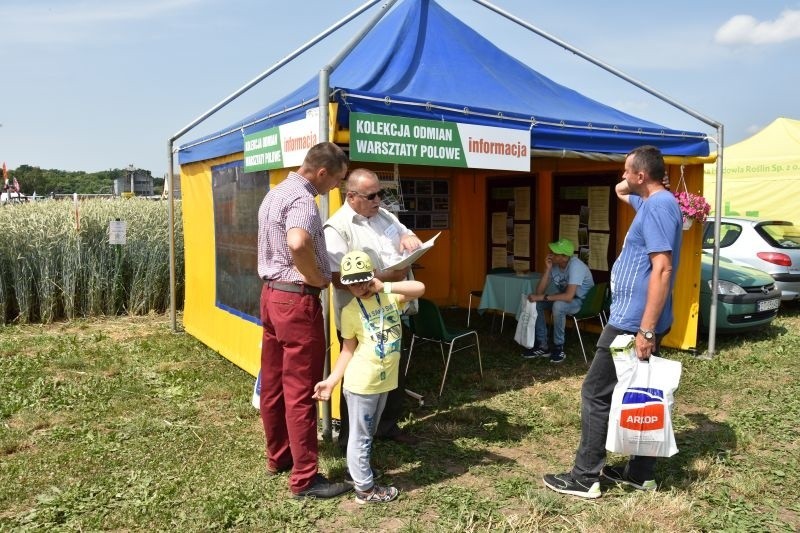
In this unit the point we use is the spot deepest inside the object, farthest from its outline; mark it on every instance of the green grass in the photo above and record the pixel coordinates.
(119, 424)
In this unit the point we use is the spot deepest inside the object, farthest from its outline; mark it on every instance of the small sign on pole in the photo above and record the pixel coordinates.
(117, 232)
(77, 212)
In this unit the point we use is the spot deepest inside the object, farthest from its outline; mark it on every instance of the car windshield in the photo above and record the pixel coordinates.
(781, 235)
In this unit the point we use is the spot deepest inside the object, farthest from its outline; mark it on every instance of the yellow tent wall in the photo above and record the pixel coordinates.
(455, 266)
(761, 174)
(232, 336)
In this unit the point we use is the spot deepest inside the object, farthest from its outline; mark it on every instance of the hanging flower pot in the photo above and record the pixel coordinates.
(693, 207)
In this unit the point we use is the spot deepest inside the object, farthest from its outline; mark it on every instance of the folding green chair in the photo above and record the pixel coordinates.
(607, 304)
(592, 308)
(427, 326)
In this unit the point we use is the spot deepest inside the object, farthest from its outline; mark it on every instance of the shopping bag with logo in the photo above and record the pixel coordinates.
(640, 421)
(526, 323)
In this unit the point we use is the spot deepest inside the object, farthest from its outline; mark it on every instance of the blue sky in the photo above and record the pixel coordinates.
(92, 85)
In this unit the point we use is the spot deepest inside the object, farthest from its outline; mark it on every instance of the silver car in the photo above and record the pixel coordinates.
(769, 245)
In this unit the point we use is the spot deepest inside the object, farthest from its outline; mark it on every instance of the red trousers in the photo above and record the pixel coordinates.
(292, 359)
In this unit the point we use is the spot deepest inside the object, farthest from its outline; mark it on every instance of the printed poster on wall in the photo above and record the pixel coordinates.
(598, 208)
(522, 266)
(499, 257)
(522, 240)
(522, 203)
(499, 232)
(568, 228)
(598, 251)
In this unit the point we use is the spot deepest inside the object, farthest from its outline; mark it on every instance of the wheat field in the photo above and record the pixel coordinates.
(56, 261)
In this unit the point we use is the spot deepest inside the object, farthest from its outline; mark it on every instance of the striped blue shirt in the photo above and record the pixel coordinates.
(657, 227)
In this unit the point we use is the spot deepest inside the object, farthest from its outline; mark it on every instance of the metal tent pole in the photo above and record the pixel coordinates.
(324, 135)
(222, 104)
(712, 314)
(171, 217)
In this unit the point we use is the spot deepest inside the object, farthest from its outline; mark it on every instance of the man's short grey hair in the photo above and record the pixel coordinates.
(648, 159)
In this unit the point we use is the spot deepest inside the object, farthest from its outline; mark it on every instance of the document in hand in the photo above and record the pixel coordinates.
(416, 254)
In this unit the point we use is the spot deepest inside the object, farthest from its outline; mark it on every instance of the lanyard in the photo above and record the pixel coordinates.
(379, 332)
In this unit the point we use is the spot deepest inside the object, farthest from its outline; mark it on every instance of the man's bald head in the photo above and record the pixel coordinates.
(360, 178)
(364, 192)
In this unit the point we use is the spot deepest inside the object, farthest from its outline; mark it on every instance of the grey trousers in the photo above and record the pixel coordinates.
(598, 386)
(364, 414)
(394, 411)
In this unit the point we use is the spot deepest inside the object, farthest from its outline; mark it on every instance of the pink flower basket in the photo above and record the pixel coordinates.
(693, 206)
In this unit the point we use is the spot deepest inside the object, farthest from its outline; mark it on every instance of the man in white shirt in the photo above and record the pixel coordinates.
(362, 224)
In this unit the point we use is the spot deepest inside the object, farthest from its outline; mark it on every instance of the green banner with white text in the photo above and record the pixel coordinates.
(262, 150)
(390, 139)
(283, 146)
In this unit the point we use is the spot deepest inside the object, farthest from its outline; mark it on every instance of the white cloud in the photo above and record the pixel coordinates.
(752, 129)
(746, 29)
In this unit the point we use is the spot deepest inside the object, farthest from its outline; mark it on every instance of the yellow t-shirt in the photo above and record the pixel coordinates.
(368, 372)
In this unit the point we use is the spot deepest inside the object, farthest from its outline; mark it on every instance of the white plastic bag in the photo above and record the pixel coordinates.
(640, 421)
(526, 323)
(256, 400)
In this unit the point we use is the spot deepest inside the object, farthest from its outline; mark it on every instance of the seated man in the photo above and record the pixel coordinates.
(563, 285)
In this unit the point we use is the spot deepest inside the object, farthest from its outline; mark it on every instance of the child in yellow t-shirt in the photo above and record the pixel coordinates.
(369, 362)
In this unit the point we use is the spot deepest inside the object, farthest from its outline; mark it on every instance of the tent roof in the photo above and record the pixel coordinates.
(780, 141)
(420, 61)
(773, 153)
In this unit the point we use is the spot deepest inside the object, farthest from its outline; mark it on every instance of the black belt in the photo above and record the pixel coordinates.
(293, 287)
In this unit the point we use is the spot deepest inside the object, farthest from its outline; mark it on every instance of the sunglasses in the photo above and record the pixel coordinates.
(380, 194)
(388, 335)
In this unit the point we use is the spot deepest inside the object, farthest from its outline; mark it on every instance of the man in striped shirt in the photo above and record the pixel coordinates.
(293, 262)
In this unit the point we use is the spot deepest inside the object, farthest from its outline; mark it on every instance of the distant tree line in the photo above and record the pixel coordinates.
(46, 181)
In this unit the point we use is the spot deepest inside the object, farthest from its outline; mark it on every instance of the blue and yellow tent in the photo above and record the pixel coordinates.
(420, 62)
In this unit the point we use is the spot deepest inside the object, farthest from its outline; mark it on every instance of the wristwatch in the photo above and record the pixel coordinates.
(544, 298)
(648, 334)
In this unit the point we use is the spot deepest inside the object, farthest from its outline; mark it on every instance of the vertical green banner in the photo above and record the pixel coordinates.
(262, 150)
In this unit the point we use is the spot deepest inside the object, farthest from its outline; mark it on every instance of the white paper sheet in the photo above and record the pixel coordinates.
(522, 240)
(598, 251)
(598, 208)
(499, 230)
(568, 228)
(522, 203)
(416, 254)
(499, 257)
